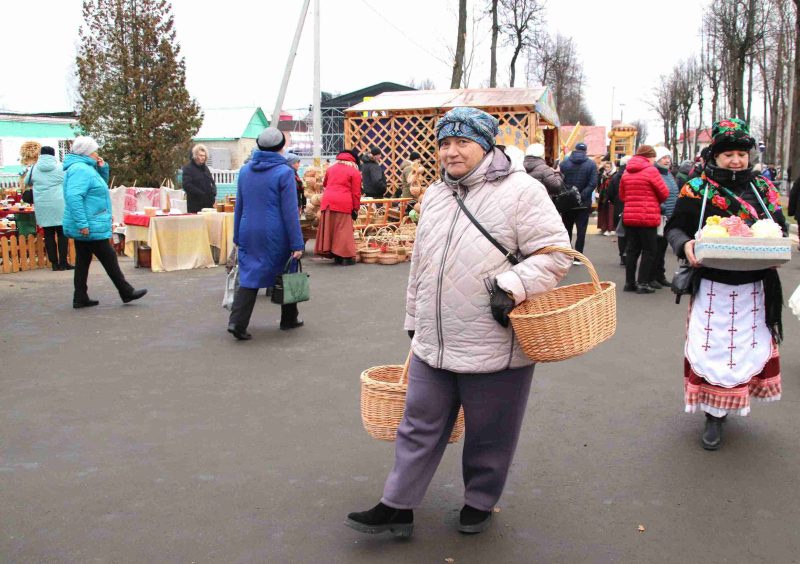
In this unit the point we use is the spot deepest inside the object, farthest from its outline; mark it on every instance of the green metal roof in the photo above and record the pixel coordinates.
(257, 124)
(36, 130)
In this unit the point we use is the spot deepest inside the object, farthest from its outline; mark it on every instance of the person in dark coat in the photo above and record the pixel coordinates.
(579, 171)
(538, 169)
(266, 229)
(613, 196)
(683, 173)
(199, 185)
(793, 208)
(663, 160)
(373, 178)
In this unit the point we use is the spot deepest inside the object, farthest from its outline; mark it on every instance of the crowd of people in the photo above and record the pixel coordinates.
(474, 260)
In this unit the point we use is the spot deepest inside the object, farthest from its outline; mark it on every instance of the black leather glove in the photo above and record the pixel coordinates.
(354, 215)
(501, 304)
(411, 333)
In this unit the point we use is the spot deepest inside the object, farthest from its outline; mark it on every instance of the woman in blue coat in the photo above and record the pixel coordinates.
(266, 229)
(87, 219)
(47, 179)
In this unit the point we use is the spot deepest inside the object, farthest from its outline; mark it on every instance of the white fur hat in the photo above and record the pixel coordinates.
(535, 150)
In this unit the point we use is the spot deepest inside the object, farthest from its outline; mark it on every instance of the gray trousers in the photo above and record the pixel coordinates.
(494, 406)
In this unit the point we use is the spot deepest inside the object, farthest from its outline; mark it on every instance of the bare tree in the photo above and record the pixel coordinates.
(495, 32)
(684, 92)
(461, 40)
(554, 62)
(641, 132)
(520, 19)
(665, 105)
(423, 84)
(794, 150)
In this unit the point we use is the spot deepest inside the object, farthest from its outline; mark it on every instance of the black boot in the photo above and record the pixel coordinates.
(240, 334)
(84, 303)
(472, 521)
(712, 435)
(135, 295)
(645, 289)
(400, 522)
(655, 284)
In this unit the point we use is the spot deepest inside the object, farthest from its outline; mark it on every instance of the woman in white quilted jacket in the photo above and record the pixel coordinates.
(461, 288)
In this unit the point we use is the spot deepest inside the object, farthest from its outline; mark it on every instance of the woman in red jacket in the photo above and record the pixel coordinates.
(339, 207)
(642, 190)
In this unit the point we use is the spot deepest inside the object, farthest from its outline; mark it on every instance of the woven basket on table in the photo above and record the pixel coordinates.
(566, 321)
(383, 400)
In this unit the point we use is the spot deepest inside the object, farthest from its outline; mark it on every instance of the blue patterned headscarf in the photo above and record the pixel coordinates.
(471, 123)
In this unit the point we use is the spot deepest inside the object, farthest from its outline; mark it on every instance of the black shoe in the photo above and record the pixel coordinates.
(381, 518)
(135, 295)
(622, 261)
(348, 261)
(84, 303)
(240, 334)
(337, 260)
(655, 284)
(66, 266)
(629, 288)
(645, 289)
(56, 268)
(712, 434)
(663, 281)
(472, 521)
(287, 326)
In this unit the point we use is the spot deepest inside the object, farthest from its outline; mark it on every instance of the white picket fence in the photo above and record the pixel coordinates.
(224, 176)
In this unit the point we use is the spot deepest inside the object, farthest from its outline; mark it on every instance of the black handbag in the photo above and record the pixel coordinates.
(686, 278)
(568, 198)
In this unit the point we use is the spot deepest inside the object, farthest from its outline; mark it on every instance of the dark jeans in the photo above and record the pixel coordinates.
(108, 258)
(56, 254)
(579, 219)
(660, 262)
(243, 303)
(641, 241)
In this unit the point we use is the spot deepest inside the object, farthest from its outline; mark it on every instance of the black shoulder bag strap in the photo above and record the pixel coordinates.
(508, 254)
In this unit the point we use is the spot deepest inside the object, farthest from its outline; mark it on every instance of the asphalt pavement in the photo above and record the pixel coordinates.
(145, 433)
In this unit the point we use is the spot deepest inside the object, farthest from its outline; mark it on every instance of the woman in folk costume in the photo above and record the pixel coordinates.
(734, 326)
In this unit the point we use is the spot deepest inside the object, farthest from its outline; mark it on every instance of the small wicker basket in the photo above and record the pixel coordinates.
(383, 401)
(567, 321)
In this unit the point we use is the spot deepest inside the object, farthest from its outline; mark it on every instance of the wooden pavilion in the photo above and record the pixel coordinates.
(401, 122)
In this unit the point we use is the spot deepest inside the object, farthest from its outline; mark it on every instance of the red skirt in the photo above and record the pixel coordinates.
(335, 235)
(719, 401)
(605, 217)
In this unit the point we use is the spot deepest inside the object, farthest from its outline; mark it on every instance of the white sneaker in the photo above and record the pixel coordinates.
(576, 262)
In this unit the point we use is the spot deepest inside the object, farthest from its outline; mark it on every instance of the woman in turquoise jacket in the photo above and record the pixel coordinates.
(47, 179)
(87, 219)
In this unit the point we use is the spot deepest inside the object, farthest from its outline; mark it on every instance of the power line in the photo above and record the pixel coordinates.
(401, 32)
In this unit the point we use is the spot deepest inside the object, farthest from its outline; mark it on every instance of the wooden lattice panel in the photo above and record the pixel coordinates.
(398, 134)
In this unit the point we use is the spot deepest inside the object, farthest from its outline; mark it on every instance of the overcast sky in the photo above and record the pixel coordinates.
(236, 50)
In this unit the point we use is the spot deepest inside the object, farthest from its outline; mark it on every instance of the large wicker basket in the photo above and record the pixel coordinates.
(383, 400)
(566, 321)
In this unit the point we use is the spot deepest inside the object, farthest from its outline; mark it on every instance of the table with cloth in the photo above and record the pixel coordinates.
(220, 233)
(177, 242)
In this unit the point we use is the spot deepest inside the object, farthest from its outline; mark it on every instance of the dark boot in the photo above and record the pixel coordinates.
(350, 261)
(472, 521)
(240, 334)
(629, 288)
(337, 260)
(712, 435)
(400, 522)
(655, 284)
(663, 281)
(135, 295)
(84, 303)
(645, 289)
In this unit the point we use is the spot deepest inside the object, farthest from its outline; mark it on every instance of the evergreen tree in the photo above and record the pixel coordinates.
(133, 97)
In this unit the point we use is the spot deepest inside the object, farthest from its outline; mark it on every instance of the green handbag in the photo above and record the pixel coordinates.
(291, 287)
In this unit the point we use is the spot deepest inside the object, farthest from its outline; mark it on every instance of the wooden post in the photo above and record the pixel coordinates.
(23, 253)
(5, 254)
(14, 254)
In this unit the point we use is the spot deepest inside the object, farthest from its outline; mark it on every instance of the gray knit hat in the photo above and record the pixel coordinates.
(84, 146)
(271, 140)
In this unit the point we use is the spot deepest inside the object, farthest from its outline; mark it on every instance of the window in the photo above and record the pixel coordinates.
(64, 147)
